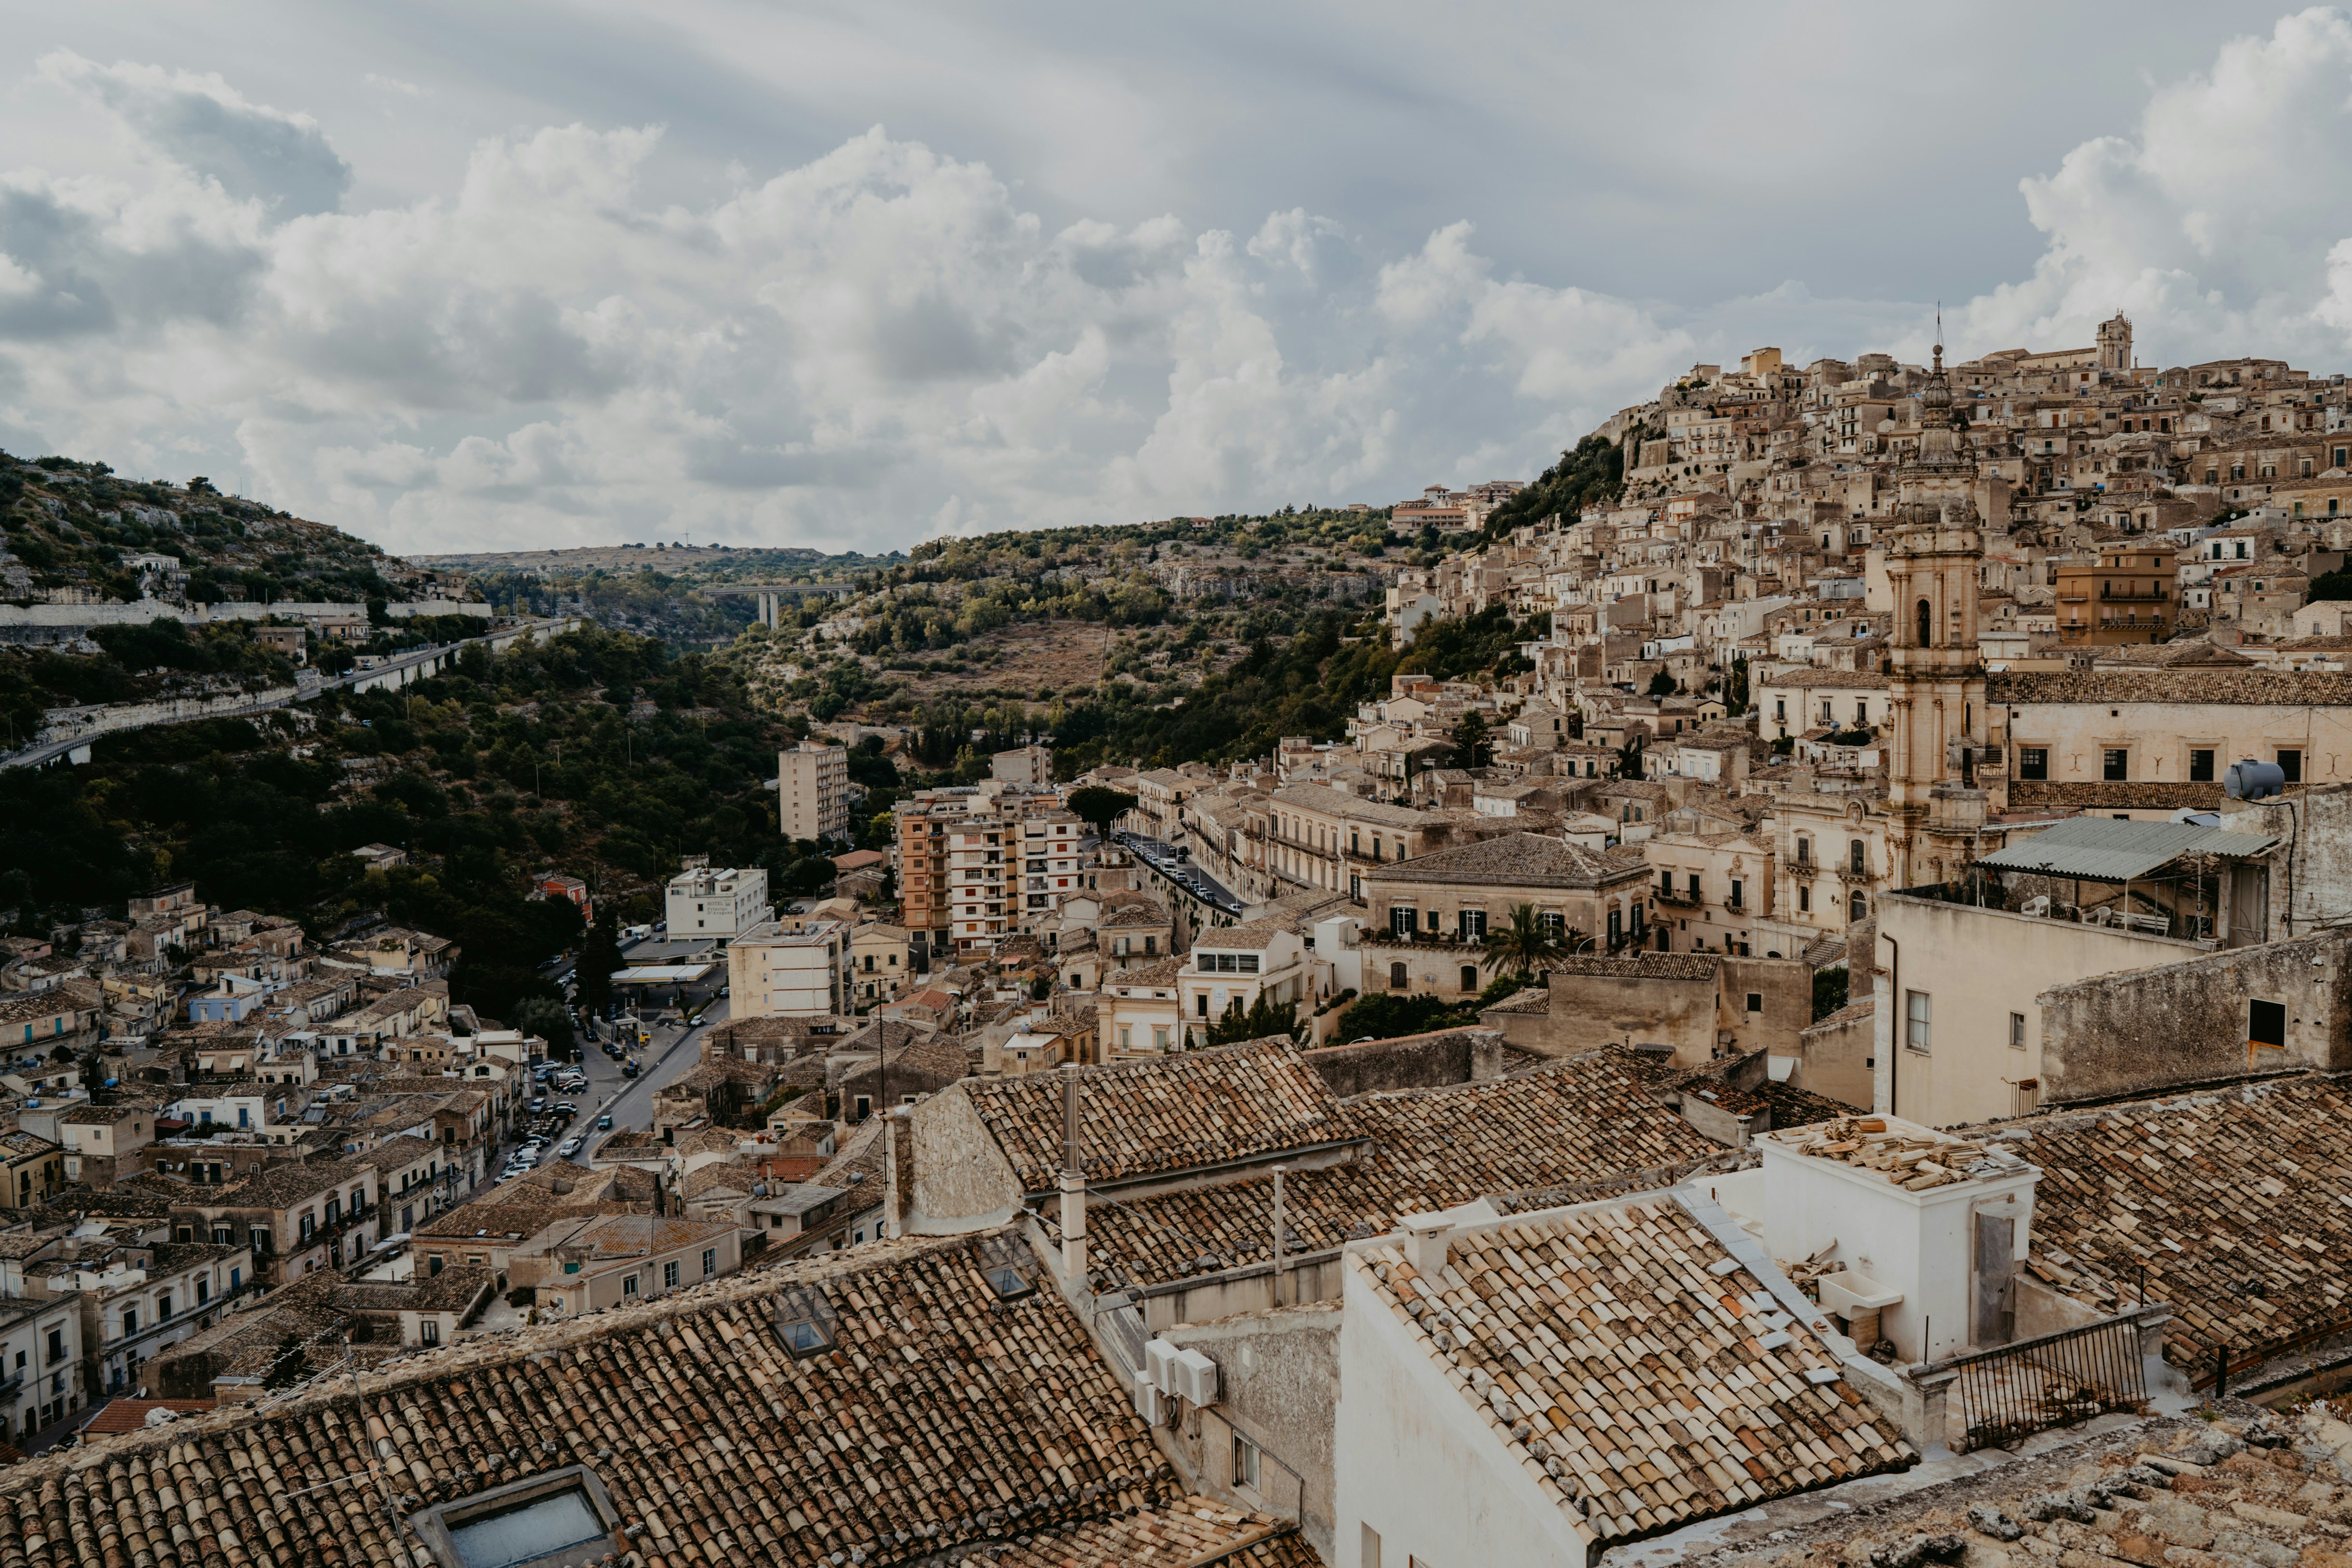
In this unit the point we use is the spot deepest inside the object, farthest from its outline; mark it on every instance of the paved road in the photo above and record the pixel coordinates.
(1153, 850)
(673, 1054)
(49, 751)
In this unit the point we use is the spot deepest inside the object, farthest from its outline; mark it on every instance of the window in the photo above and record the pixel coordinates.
(1009, 1283)
(1804, 899)
(1469, 977)
(163, 1306)
(130, 1321)
(2017, 1032)
(1245, 1462)
(57, 1346)
(2290, 762)
(554, 1520)
(1857, 856)
(628, 1284)
(805, 1321)
(2201, 765)
(2033, 762)
(1159, 1037)
(1736, 889)
(1804, 850)
(2267, 1024)
(710, 1261)
(670, 1275)
(236, 1275)
(1471, 924)
(2114, 764)
(204, 1292)
(1916, 1021)
(1755, 1001)
(1403, 920)
(1202, 1001)
(1396, 979)
(1126, 1037)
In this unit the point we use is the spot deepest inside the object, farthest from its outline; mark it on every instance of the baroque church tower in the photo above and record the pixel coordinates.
(1936, 718)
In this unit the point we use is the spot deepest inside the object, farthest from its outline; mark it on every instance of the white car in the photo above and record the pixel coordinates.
(568, 1147)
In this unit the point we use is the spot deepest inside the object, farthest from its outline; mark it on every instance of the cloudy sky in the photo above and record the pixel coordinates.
(457, 276)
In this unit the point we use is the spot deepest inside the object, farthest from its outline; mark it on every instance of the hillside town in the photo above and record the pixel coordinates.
(1828, 1052)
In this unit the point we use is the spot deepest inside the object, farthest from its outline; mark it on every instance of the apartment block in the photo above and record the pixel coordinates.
(708, 901)
(813, 791)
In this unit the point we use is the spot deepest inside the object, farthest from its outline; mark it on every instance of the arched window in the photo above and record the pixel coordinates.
(1926, 620)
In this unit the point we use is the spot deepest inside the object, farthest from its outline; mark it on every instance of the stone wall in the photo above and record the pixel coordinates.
(1411, 1061)
(1279, 1375)
(962, 1180)
(1589, 1011)
(2145, 1029)
(1784, 986)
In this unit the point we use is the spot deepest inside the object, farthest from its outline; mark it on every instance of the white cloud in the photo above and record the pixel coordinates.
(393, 84)
(562, 339)
(2216, 225)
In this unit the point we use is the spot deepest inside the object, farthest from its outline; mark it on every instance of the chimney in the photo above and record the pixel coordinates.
(893, 1222)
(1424, 1242)
(1073, 1182)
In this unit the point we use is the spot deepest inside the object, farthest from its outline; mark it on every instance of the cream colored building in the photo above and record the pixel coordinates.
(878, 963)
(775, 972)
(813, 791)
(1234, 967)
(577, 1266)
(1140, 1012)
(1714, 891)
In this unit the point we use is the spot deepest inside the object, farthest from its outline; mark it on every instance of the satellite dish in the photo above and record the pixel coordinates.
(2252, 781)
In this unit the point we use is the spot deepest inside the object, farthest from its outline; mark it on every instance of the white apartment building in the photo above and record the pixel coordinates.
(812, 792)
(40, 1362)
(1235, 967)
(707, 901)
(775, 972)
(1049, 861)
(977, 911)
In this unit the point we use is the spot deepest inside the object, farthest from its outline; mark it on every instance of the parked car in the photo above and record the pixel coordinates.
(629, 1069)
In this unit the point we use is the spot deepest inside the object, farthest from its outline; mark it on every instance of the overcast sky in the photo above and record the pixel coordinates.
(524, 275)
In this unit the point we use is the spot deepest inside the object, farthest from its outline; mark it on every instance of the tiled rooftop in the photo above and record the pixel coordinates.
(942, 1418)
(2238, 1203)
(1518, 860)
(1432, 1149)
(1197, 1108)
(1633, 1374)
(1641, 964)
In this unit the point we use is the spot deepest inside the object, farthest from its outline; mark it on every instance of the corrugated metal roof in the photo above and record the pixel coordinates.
(2103, 848)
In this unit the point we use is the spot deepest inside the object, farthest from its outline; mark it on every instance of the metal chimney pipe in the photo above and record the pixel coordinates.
(1277, 1235)
(1073, 1183)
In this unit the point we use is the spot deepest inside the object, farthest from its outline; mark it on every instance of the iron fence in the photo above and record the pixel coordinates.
(2056, 1380)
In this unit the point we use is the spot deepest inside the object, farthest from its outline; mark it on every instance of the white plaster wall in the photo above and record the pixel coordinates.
(1416, 1462)
(1920, 1243)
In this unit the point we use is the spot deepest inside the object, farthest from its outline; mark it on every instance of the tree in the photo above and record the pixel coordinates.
(1664, 685)
(1473, 747)
(1100, 806)
(1526, 944)
(600, 955)
(1265, 1018)
(1735, 692)
(548, 1019)
(287, 1366)
(1629, 758)
(1387, 1017)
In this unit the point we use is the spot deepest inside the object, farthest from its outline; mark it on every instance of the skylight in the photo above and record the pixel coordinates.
(560, 1520)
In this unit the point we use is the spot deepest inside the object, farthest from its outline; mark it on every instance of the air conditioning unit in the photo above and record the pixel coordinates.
(1196, 1377)
(1160, 1366)
(1150, 1403)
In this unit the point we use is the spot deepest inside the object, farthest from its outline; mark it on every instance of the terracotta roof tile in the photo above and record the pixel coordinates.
(1602, 1345)
(2237, 1203)
(1431, 1149)
(942, 1418)
(1196, 1108)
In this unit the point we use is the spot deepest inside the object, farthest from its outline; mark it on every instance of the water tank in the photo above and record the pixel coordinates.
(2252, 781)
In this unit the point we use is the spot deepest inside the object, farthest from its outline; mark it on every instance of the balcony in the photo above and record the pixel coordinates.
(1685, 900)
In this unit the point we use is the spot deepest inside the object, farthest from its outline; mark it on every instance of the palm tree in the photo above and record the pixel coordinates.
(1526, 944)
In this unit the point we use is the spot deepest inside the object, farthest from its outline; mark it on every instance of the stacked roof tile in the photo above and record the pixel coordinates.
(1637, 1372)
(940, 1416)
(2237, 1204)
(1199, 1108)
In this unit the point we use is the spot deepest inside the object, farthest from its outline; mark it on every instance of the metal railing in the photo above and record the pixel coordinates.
(2056, 1380)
